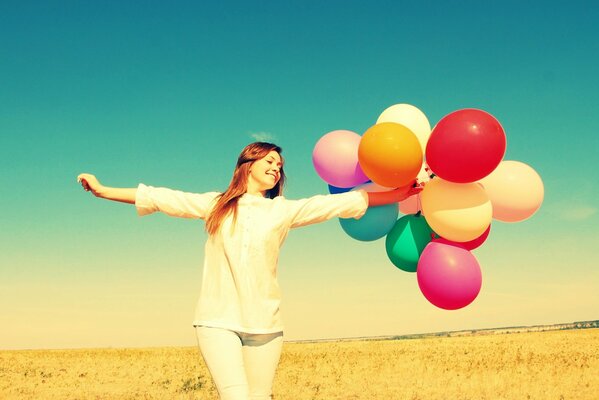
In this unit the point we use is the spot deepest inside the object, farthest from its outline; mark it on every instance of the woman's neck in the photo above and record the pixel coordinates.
(254, 190)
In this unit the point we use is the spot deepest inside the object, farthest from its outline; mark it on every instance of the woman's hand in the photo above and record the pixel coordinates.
(408, 191)
(395, 195)
(90, 184)
(416, 188)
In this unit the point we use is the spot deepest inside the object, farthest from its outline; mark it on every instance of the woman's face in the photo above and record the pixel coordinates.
(266, 171)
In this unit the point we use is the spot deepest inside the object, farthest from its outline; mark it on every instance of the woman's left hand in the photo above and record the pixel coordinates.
(395, 195)
(409, 190)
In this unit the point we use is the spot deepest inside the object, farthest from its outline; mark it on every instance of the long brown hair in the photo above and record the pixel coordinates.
(227, 201)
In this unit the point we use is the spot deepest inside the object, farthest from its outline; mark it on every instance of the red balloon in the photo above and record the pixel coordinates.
(469, 245)
(465, 146)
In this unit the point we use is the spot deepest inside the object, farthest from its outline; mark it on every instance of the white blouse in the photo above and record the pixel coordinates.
(239, 288)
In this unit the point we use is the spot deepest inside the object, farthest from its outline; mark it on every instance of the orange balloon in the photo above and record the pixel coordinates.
(390, 154)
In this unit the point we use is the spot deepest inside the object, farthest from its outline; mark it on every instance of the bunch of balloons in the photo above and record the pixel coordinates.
(467, 184)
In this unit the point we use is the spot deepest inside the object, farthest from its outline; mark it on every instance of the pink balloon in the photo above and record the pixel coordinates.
(448, 276)
(411, 205)
(470, 245)
(335, 159)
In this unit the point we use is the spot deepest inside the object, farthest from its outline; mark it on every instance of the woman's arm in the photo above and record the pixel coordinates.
(91, 184)
(393, 196)
(343, 205)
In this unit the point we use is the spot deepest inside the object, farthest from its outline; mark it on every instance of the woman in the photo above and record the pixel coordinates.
(238, 323)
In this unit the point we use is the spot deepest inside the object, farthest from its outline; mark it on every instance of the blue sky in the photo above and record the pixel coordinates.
(168, 95)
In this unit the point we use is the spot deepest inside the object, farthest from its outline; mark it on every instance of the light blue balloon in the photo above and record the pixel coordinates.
(374, 224)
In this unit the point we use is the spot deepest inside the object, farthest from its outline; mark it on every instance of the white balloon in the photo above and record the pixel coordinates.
(410, 117)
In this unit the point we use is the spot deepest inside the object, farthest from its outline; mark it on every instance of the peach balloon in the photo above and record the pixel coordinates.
(515, 189)
(459, 212)
(390, 154)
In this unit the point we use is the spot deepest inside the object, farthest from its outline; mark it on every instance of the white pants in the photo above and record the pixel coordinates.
(242, 365)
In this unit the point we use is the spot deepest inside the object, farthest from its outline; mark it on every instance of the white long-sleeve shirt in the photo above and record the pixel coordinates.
(239, 288)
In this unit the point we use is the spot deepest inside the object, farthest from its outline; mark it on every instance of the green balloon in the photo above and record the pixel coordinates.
(406, 241)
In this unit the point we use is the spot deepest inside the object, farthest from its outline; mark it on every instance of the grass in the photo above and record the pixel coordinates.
(538, 365)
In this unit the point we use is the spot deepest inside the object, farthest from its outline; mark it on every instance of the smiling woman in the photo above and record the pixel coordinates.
(238, 321)
(253, 174)
(264, 173)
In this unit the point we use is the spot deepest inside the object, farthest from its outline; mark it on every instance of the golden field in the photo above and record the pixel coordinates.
(539, 365)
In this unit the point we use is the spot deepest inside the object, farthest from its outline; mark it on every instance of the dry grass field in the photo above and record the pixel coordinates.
(541, 365)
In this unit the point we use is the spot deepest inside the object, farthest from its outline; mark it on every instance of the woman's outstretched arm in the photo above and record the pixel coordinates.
(351, 204)
(91, 184)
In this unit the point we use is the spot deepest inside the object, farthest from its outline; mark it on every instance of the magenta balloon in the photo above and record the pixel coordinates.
(448, 276)
(335, 159)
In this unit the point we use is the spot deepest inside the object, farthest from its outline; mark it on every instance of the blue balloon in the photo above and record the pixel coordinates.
(335, 189)
(374, 224)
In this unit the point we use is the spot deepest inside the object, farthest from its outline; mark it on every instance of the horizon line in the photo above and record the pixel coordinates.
(588, 324)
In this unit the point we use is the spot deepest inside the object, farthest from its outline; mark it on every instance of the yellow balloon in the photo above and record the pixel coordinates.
(515, 189)
(456, 211)
(410, 117)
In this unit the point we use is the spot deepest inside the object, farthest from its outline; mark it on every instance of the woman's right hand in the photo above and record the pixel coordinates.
(90, 183)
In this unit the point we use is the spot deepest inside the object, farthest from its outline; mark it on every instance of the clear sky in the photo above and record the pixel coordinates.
(169, 93)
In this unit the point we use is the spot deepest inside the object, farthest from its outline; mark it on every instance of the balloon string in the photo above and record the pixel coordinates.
(418, 204)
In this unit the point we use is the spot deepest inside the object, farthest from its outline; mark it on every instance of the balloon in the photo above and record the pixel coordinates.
(411, 205)
(470, 245)
(457, 212)
(390, 154)
(335, 158)
(375, 223)
(465, 146)
(516, 191)
(448, 276)
(410, 117)
(406, 241)
(335, 189)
